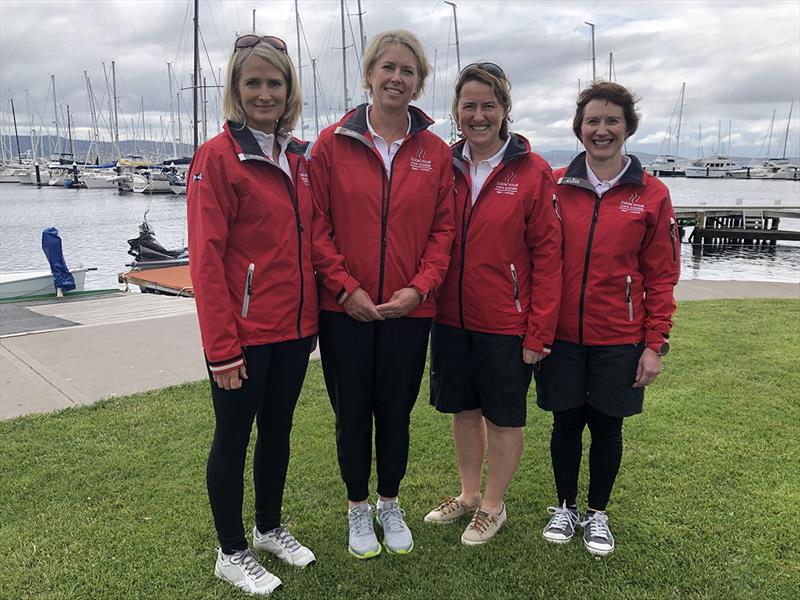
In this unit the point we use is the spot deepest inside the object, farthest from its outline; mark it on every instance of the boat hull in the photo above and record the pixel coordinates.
(35, 283)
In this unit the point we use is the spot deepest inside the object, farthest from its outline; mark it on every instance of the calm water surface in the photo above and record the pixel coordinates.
(96, 224)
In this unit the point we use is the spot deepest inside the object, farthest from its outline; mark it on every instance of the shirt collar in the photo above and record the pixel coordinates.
(493, 161)
(375, 134)
(266, 141)
(595, 181)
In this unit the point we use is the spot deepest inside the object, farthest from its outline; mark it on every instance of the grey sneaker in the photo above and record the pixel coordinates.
(243, 570)
(561, 526)
(597, 535)
(396, 534)
(362, 542)
(283, 544)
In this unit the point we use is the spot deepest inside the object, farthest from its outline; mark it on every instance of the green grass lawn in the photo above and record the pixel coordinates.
(109, 501)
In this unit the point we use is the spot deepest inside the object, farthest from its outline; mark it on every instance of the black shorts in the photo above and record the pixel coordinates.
(471, 370)
(601, 376)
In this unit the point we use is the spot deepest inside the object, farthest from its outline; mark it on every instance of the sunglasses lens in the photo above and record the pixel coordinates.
(489, 67)
(275, 42)
(246, 41)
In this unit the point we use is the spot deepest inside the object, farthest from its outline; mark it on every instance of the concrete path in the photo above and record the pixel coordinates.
(137, 342)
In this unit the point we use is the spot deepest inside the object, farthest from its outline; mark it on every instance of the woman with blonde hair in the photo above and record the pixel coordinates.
(249, 214)
(496, 313)
(383, 226)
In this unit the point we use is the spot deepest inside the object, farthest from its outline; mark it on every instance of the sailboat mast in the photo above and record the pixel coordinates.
(69, 134)
(771, 126)
(344, 59)
(594, 62)
(196, 79)
(93, 112)
(299, 64)
(363, 40)
(316, 111)
(455, 25)
(116, 113)
(680, 118)
(610, 66)
(786, 137)
(171, 112)
(16, 134)
(55, 112)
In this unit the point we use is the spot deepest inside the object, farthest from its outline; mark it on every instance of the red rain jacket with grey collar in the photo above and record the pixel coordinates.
(505, 275)
(621, 258)
(244, 210)
(376, 230)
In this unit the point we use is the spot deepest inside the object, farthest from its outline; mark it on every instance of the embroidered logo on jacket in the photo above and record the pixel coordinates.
(197, 177)
(303, 174)
(418, 162)
(632, 205)
(508, 185)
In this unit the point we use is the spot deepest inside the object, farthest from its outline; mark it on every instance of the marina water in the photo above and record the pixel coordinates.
(96, 224)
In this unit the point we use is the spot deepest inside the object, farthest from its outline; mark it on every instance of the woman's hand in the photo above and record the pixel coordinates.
(531, 357)
(360, 307)
(402, 302)
(232, 380)
(648, 369)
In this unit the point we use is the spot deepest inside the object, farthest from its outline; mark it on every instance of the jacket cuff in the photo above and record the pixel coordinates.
(654, 339)
(535, 344)
(224, 366)
(418, 283)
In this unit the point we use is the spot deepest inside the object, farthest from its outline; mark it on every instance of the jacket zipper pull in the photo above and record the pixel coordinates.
(248, 290)
(516, 288)
(628, 297)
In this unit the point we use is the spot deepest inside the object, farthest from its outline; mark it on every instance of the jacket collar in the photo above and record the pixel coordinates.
(576, 173)
(518, 146)
(247, 147)
(354, 124)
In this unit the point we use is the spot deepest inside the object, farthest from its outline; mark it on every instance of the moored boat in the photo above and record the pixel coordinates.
(25, 284)
(716, 166)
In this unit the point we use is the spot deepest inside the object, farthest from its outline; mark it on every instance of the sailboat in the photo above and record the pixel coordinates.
(771, 168)
(668, 165)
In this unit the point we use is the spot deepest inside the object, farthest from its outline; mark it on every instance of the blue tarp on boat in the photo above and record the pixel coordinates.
(51, 244)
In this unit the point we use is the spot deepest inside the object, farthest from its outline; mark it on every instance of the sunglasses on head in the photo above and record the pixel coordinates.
(250, 40)
(489, 67)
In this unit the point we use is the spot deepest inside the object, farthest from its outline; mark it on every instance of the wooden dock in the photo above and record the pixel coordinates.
(737, 225)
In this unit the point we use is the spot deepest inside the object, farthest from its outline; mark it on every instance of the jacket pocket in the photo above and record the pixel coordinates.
(248, 290)
(628, 299)
(517, 303)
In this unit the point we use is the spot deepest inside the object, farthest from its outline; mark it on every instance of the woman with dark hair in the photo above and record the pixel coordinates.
(497, 310)
(621, 265)
(249, 213)
(383, 227)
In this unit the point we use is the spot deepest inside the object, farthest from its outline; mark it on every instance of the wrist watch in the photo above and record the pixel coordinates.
(664, 349)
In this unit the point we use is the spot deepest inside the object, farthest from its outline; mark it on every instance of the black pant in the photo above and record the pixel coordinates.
(605, 453)
(275, 376)
(372, 370)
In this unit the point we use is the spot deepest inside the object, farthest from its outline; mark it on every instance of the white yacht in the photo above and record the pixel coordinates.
(716, 166)
(666, 165)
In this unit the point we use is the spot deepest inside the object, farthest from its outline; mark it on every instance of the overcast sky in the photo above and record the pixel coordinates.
(740, 60)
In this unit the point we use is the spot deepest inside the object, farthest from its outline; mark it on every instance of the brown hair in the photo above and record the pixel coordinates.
(610, 92)
(501, 88)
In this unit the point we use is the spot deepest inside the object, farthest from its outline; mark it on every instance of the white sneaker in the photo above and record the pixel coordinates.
(283, 544)
(243, 570)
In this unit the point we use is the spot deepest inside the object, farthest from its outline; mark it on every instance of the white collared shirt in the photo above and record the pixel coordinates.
(480, 173)
(601, 187)
(386, 151)
(266, 141)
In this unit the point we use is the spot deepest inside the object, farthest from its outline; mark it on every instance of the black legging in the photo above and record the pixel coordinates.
(605, 453)
(275, 376)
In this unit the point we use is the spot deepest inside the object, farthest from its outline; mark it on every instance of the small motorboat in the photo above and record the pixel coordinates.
(26, 284)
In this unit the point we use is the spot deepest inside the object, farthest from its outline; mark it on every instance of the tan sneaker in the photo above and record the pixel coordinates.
(483, 527)
(451, 509)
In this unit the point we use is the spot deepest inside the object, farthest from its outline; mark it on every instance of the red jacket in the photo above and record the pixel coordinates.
(621, 258)
(505, 275)
(242, 210)
(380, 231)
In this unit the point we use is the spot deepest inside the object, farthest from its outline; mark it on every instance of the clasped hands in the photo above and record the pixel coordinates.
(361, 308)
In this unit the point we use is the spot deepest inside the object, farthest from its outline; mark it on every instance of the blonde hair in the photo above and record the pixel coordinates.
(501, 88)
(232, 102)
(381, 42)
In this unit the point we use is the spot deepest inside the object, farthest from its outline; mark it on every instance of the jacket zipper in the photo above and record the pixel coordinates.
(299, 223)
(628, 297)
(585, 277)
(248, 290)
(672, 237)
(516, 288)
(464, 226)
(385, 198)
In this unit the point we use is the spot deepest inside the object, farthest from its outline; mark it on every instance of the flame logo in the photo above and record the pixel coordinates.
(510, 177)
(634, 198)
(421, 153)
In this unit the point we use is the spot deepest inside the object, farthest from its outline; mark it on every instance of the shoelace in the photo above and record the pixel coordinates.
(392, 518)
(598, 525)
(481, 520)
(562, 517)
(249, 563)
(285, 538)
(448, 505)
(360, 520)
